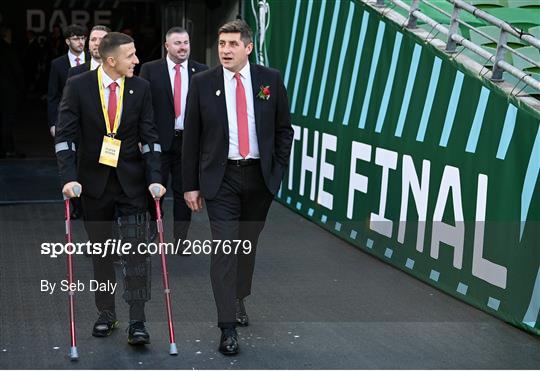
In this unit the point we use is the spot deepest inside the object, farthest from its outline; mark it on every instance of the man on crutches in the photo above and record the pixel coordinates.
(110, 112)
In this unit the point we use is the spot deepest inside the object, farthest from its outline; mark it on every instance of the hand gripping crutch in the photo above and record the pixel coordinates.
(172, 349)
(73, 354)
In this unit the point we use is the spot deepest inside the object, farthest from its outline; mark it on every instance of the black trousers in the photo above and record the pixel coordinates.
(99, 220)
(171, 164)
(238, 212)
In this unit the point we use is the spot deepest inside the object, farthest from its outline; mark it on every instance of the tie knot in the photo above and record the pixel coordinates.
(237, 76)
(177, 67)
(113, 86)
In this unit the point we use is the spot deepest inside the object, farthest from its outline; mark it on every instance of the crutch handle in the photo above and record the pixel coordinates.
(76, 190)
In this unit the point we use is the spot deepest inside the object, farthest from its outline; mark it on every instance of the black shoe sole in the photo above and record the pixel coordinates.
(105, 334)
(138, 341)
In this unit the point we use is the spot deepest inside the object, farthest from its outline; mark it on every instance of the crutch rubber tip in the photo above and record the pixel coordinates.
(172, 350)
(73, 354)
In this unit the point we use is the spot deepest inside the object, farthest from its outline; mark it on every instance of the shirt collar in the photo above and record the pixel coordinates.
(171, 64)
(94, 64)
(73, 56)
(244, 72)
(108, 80)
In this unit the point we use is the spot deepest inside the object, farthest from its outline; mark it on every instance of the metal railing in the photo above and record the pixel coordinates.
(454, 38)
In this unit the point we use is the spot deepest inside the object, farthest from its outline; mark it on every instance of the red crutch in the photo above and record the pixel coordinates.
(73, 354)
(172, 349)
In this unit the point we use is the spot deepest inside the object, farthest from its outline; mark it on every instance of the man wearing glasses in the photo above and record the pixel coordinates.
(97, 33)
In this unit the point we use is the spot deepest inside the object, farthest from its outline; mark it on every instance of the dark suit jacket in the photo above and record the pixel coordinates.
(156, 72)
(205, 147)
(57, 80)
(79, 69)
(81, 117)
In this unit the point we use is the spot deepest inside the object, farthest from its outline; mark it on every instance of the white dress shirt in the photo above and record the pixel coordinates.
(72, 61)
(184, 77)
(106, 80)
(230, 100)
(94, 64)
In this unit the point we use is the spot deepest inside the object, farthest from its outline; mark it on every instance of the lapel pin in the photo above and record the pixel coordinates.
(218, 92)
(192, 69)
(131, 92)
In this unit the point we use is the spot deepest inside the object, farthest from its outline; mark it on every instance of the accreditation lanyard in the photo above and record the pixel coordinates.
(110, 132)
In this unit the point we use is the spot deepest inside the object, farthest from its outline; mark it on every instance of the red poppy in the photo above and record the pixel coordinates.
(264, 93)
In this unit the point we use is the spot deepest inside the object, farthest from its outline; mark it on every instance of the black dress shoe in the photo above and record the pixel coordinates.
(228, 344)
(105, 324)
(137, 333)
(242, 318)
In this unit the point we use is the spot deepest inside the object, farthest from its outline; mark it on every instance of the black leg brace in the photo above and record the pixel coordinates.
(137, 268)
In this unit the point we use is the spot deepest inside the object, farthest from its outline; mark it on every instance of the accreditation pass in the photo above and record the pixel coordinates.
(110, 151)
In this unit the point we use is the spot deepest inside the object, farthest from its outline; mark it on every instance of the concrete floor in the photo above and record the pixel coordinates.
(317, 302)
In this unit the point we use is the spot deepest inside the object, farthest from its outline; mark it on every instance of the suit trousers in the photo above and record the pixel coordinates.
(171, 164)
(237, 212)
(99, 221)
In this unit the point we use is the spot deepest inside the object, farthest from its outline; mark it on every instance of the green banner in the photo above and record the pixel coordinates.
(408, 155)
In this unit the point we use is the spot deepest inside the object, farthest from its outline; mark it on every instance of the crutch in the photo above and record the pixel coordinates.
(73, 354)
(172, 349)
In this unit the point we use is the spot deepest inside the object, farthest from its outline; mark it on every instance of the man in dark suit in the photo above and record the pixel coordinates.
(169, 81)
(97, 33)
(237, 142)
(75, 38)
(110, 112)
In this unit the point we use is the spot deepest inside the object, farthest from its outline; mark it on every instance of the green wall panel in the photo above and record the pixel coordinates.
(410, 156)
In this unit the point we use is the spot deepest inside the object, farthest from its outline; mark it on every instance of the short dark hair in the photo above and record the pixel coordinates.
(112, 41)
(99, 27)
(175, 29)
(74, 30)
(238, 25)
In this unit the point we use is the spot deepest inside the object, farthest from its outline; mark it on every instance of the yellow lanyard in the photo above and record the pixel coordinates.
(104, 104)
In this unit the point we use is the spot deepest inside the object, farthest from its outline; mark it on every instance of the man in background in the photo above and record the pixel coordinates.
(169, 79)
(97, 33)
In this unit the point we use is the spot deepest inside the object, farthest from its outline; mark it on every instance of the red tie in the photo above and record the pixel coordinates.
(78, 61)
(241, 117)
(177, 91)
(112, 104)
